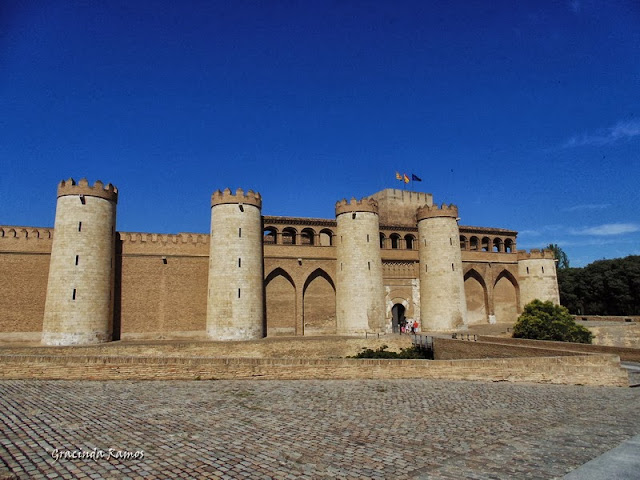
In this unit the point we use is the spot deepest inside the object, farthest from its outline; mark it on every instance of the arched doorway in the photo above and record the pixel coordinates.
(397, 317)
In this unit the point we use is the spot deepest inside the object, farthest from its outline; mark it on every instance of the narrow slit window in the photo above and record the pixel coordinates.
(79, 226)
(369, 265)
(239, 232)
(527, 270)
(73, 295)
(239, 262)
(238, 293)
(340, 266)
(426, 269)
(353, 216)
(450, 242)
(77, 259)
(241, 207)
(453, 269)
(367, 238)
(542, 269)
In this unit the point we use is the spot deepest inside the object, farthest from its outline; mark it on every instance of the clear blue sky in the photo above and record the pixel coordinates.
(524, 114)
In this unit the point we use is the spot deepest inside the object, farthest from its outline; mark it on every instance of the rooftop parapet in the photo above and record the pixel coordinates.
(250, 198)
(435, 211)
(70, 187)
(536, 254)
(353, 205)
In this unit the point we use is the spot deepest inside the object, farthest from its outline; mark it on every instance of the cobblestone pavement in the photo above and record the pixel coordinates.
(309, 429)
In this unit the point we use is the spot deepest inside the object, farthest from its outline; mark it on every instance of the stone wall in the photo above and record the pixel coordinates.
(582, 370)
(626, 354)
(450, 349)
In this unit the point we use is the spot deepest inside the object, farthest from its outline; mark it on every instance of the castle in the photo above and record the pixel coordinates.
(384, 259)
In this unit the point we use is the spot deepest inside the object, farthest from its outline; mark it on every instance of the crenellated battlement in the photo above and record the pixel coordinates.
(24, 233)
(434, 211)
(536, 254)
(82, 187)
(223, 197)
(154, 238)
(353, 205)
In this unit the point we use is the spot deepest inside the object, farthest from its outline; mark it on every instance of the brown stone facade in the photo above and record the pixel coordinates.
(162, 281)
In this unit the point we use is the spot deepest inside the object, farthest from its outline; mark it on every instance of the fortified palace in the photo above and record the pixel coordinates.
(387, 258)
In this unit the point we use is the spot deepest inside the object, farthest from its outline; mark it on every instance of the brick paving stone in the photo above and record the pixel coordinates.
(430, 429)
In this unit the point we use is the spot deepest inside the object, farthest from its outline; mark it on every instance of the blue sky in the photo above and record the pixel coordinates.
(524, 114)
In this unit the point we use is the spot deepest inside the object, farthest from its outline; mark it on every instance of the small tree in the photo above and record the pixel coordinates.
(560, 256)
(547, 321)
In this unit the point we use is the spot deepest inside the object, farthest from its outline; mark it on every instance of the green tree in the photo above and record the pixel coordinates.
(560, 256)
(604, 287)
(547, 321)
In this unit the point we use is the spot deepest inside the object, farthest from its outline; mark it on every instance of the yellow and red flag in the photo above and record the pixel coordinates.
(398, 176)
(406, 179)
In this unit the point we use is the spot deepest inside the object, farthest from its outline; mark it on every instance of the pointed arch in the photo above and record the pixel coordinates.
(318, 272)
(477, 297)
(506, 297)
(319, 304)
(280, 303)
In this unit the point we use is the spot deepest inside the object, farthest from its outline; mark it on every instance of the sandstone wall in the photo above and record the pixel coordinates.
(625, 353)
(581, 370)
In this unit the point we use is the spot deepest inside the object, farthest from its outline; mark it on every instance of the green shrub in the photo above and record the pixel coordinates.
(382, 352)
(547, 321)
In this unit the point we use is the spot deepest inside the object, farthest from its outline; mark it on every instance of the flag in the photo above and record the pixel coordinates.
(406, 179)
(415, 178)
(398, 176)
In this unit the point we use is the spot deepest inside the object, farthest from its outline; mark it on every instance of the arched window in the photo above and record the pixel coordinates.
(497, 244)
(508, 245)
(474, 243)
(307, 236)
(383, 240)
(326, 237)
(289, 236)
(485, 244)
(395, 240)
(270, 235)
(409, 241)
(463, 242)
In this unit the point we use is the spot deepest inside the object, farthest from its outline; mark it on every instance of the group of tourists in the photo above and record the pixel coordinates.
(408, 326)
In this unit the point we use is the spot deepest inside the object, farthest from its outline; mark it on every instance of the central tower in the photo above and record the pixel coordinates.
(235, 306)
(360, 291)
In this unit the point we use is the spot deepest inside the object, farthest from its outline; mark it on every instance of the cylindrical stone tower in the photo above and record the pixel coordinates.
(79, 304)
(235, 309)
(359, 287)
(537, 276)
(443, 306)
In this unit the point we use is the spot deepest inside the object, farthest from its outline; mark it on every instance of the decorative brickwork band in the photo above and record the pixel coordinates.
(535, 254)
(435, 211)
(70, 187)
(364, 205)
(250, 198)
